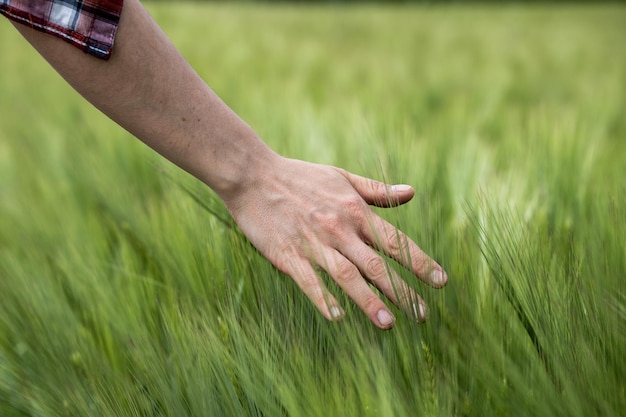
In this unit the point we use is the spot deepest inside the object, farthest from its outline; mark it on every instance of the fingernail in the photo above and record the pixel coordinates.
(335, 312)
(384, 317)
(400, 188)
(438, 277)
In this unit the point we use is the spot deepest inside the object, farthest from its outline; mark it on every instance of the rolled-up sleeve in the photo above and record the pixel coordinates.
(90, 25)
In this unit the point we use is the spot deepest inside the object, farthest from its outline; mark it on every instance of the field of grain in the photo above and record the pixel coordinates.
(125, 289)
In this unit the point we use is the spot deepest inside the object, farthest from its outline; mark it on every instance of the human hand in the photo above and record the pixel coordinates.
(303, 216)
(299, 215)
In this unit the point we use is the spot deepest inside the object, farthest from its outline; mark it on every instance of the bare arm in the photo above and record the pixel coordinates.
(150, 90)
(299, 215)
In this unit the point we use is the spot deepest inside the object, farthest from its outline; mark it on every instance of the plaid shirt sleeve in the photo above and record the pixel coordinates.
(87, 24)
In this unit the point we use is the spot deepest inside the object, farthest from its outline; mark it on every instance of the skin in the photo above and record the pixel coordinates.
(300, 216)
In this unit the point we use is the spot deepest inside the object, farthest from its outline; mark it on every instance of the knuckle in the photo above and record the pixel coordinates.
(285, 245)
(284, 255)
(376, 269)
(394, 242)
(345, 270)
(327, 220)
(355, 207)
(421, 263)
(349, 211)
(371, 304)
(310, 285)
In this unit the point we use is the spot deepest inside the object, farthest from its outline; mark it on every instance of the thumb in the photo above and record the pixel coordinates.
(380, 194)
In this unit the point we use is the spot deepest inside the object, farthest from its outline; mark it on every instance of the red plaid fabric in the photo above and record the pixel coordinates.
(87, 24)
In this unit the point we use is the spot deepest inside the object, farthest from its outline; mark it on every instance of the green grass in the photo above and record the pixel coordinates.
(120, 295)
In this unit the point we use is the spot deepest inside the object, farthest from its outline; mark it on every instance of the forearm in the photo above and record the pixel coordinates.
(301, 216)
(148, 88)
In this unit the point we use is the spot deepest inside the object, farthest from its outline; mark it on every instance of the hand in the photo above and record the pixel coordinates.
(299, 215)
(302, 216)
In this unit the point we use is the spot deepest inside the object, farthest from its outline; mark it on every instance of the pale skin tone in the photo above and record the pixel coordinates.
(301, 216)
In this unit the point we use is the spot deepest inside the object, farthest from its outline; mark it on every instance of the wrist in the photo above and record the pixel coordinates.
(239, 168)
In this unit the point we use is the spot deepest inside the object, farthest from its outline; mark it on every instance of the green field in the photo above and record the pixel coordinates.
(125, 289)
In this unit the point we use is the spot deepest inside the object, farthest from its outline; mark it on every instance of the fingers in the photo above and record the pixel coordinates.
(372, 266)
(349, 278)
(312, 286)
(395, 244)
(358, 263)
(378, 193)
(386, 238)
